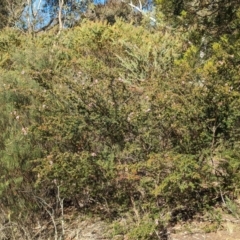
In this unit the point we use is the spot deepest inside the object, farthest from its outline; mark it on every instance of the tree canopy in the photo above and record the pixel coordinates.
(214, 17)
(41, 15)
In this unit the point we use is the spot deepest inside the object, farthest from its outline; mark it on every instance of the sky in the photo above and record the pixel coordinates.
(43, 17)
(44, 14)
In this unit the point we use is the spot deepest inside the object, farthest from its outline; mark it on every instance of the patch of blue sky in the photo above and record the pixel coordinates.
(40, 13)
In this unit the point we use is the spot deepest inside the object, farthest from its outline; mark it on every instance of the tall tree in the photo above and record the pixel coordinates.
(39, 15)
(212, 16)
(64, 12)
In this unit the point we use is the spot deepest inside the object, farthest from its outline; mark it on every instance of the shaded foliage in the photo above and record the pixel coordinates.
(214, 17)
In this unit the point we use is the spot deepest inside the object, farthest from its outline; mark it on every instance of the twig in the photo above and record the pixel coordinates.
(45, 205)
(62, 212)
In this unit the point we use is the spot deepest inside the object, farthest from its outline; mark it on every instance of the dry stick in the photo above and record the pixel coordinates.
(61, 206)
(224, 202)
(222, 197)
(12, 224)
(44, 204)
(135, 209)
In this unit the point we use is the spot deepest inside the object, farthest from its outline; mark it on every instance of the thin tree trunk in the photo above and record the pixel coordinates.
(61, 2)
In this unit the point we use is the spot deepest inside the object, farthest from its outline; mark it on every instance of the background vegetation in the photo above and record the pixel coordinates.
(121, 118)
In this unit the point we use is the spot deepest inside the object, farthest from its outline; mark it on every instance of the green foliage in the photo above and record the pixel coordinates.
(16, 147)
(10, 12)
(3, 14)
(216, 17)
(119, 117)
(146, 229)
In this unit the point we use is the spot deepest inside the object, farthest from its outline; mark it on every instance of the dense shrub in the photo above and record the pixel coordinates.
(114, 120)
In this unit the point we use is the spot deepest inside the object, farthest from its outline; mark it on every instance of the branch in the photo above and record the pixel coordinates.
(60, 15)
(139, 9)
(48, 26)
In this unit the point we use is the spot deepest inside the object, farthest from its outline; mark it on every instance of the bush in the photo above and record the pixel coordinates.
(117, 120)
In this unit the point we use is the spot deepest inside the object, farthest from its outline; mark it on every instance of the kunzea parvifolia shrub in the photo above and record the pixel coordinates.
(122, 116)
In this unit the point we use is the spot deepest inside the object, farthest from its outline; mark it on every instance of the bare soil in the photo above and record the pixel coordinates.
(89, 229)
(233, 233)
(229, 229)
(77, 227)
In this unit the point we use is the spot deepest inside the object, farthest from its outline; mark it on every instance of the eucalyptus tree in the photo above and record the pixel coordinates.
(41, 15)
(212, 16)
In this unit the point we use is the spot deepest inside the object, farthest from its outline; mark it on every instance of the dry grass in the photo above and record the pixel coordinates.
(77, 227)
